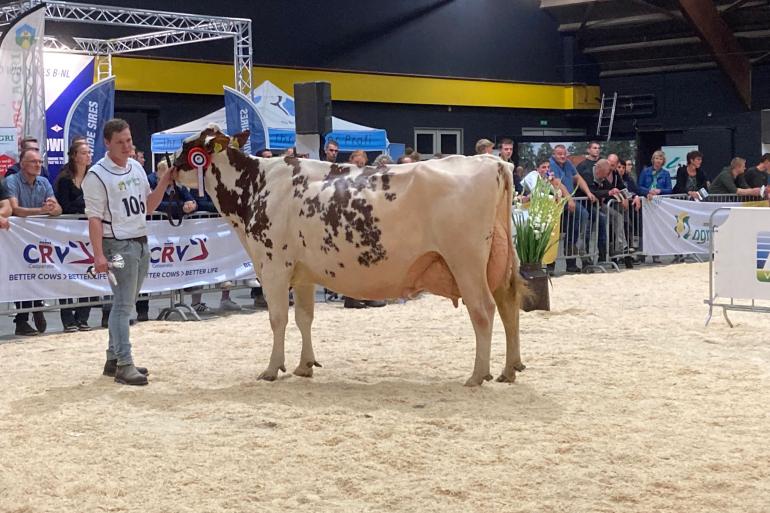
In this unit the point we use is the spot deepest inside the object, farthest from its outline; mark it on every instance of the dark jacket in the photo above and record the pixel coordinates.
(681, 180)
(169, 205)
(69, 196)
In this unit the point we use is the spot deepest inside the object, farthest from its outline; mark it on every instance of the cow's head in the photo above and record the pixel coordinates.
(208, 143)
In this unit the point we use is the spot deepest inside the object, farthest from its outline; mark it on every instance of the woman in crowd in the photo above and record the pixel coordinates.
(690, 178)
(655, 179)
(70, 197)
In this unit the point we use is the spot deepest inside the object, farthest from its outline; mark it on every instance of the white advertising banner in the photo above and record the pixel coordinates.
(679, 227)
(22, 102)
(741, 250)
(47, 258)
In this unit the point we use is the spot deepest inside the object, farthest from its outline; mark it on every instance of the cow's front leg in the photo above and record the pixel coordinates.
(276, 290)
(304, 304)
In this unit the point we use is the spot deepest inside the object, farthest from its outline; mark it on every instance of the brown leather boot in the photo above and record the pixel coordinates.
(128, 375)
(111, 367)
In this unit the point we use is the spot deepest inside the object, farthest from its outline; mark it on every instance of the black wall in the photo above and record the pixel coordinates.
(697, 107)
(497, 39)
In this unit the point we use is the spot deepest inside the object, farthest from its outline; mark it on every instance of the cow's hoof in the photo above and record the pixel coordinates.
(306, 369)
(520, 367)
(473, 381)
(504, 378)
(271, 374)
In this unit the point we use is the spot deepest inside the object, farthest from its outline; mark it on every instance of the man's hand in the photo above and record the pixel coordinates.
(4, 223)
(614, 192)
(591, 197)
(189, 206)
(637, 202)
(100, 264)
(571, 205)
(624, 202)
(694, 195)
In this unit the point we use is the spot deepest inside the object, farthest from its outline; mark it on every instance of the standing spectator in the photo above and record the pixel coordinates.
(331, 150)
(630, 172)
(484, 146)
(358, 158)
(70, 197)
(506, 152)
(731, 181)
(757, 176)
(408, 158)
(27, 143)
(118, 196)
(31, 195)
(5, 205)
(593, 151)
(576, 221)
(690, 178)
(654, 179)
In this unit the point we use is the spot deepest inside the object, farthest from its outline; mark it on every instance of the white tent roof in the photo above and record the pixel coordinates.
(277, 110)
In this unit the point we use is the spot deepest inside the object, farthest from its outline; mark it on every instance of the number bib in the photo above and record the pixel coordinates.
(126, 200)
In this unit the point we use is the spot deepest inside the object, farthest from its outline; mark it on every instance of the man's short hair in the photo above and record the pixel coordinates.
(505, 140)
(737, 161)
(765, 158)
(541, 162)
(114, 126)
(330, 142)
(557, 147)
(26, 140)
(25, 151)
(482, 145)
(591, 143)
(695, 154)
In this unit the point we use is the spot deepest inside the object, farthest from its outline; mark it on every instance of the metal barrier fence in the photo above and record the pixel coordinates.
(602, 235)
(177, 304)
(580, 235)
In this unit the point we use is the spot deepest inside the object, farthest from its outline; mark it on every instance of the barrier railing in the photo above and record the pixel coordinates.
(175, 297)
(580, 236)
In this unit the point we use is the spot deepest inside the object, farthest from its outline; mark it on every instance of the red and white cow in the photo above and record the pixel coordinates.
(442, 226)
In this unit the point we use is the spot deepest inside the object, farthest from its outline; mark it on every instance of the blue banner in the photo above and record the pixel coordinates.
(241, 114)
(92, 109)
(67, 76)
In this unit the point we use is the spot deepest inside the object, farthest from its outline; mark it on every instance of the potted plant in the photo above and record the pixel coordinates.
(536, 225)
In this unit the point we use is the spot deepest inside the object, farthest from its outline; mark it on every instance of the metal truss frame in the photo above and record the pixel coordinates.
(167, 29)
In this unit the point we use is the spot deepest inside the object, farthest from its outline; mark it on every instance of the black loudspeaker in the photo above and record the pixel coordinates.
(313, 107)
(766, 127)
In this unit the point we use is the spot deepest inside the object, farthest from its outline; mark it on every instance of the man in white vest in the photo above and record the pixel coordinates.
(118, 197)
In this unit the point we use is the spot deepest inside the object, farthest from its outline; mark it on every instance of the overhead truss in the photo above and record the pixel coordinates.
(168, 29)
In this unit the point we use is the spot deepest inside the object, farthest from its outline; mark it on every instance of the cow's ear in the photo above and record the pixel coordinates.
(216, 143)
(239, 140)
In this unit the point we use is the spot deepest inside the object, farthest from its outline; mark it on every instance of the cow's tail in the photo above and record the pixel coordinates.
(514, 286)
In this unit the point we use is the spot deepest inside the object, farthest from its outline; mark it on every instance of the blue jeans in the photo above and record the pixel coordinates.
(136, 256)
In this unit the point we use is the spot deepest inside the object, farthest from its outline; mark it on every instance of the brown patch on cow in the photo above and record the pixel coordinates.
(250, 204)
(342, 266)
(390, 196)
(285, 247)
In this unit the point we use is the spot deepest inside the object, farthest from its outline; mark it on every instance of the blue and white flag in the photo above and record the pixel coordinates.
(22, 102)
(67, 75)
(241, 114)
(88, 114)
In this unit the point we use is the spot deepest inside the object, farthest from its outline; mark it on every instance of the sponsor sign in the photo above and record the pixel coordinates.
(48, 258)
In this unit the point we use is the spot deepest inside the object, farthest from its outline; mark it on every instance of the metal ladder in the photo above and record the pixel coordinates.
(607, 115)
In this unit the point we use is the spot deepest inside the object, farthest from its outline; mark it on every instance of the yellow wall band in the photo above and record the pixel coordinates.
(166, 76)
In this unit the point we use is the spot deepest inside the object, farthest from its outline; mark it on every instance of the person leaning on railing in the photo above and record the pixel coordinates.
(70, 197)
(732, 181)
(690, 178)
(31, 195)
(655, 179)
(5, 205)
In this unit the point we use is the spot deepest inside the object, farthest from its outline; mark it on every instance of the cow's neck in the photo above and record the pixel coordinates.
(237, 186)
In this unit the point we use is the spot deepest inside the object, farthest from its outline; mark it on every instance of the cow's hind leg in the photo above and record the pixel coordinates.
(276, 290)
(304, 303)
(507, 300)
(481, 308)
